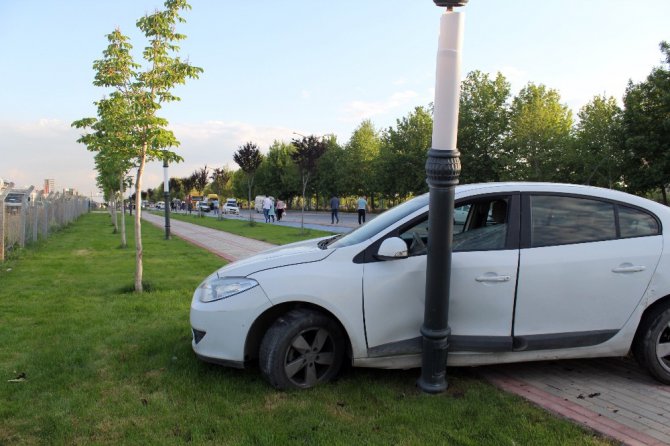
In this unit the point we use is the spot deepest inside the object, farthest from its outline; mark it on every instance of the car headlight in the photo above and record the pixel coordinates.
(224, 287)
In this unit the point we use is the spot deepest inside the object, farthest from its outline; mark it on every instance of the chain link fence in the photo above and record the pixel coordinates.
(26, 218)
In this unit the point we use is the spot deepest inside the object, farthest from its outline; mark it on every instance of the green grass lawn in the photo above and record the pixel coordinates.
(266, 232)
(103, 365)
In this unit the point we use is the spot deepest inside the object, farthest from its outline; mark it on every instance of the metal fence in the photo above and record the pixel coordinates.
(25, 219)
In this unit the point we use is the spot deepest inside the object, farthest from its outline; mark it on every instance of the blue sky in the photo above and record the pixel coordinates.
(307, 66)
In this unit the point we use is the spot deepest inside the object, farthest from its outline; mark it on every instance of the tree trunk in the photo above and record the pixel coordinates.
(124, 242)
(302, 214)
(249, 189)
(138, 223)
(665, 194)
(113, 209)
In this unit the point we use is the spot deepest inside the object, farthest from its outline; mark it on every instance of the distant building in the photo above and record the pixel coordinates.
(49, 186)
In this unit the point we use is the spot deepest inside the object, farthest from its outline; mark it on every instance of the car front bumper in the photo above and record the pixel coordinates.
(220, 328)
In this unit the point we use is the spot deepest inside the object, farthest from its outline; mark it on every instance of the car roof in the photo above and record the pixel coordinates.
(563, 188)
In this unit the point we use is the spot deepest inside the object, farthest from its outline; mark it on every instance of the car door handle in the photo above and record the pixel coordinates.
(628, 268)
(486, 278)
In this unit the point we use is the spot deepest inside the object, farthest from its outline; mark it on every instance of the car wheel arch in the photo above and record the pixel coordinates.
(263, 322)
(650, 313)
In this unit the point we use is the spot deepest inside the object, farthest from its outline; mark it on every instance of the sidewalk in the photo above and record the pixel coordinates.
(228, 246)
(612, 396)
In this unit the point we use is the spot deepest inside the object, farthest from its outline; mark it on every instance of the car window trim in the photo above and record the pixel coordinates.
(511, 241)
(526, 222)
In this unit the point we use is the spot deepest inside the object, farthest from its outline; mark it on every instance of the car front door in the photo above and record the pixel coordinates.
(483, 279)
(581, 275)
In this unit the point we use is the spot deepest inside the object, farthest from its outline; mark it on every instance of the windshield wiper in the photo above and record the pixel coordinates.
(323, 244)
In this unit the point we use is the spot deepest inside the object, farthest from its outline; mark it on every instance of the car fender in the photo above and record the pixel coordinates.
(322, 286)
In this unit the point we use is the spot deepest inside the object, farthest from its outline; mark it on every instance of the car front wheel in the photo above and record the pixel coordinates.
(301, 349)
(655, 347)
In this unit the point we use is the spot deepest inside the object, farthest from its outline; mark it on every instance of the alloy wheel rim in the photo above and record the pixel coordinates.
(310, 356)
(663, 347)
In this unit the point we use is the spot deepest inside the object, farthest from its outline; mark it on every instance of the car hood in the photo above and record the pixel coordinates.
(292, 254)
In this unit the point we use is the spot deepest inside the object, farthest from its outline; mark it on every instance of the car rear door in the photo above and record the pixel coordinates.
(585, 263)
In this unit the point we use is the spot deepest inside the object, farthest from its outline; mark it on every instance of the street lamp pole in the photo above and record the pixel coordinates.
(166, 194)
(443, 168)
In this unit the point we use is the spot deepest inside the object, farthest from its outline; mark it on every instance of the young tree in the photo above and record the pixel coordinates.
(306, 156)
(249, 158)
(113, 145)
(200, 178)
(145, 91)
(220, 178)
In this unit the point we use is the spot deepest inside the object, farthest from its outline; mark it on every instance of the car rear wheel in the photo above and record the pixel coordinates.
(654, 350)
(302, 349)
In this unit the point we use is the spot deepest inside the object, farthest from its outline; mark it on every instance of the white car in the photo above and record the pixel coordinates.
(231, 207)
(539, 271)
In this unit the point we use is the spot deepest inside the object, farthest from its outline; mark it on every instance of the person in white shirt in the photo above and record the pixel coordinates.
(267, 205)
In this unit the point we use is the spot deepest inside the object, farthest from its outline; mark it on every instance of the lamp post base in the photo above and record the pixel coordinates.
(433, 377)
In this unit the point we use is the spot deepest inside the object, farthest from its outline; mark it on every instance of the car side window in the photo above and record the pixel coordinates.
(481, 225)
(560, 220)
(636, 223)
(416, 237)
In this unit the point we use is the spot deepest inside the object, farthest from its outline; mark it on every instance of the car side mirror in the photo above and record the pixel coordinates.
(392, 248)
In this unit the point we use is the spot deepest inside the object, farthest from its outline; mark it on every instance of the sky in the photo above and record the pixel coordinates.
(273, 69)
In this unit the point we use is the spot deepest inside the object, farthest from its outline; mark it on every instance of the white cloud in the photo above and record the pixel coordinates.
(358, 110)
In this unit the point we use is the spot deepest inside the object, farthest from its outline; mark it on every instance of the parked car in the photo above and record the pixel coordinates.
(160, 205)
(202, 206)
(539, 272)
(231, 207)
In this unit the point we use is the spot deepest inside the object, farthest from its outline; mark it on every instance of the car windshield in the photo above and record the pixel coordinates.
(381, 222)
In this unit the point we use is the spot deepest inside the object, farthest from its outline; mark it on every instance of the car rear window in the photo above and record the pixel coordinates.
(636, 223)
(560, 220)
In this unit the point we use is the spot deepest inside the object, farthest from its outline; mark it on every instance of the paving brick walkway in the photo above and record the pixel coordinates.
(613, 396)
(229, 246)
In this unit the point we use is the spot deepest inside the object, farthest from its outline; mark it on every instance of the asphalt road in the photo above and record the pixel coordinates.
(312, 219)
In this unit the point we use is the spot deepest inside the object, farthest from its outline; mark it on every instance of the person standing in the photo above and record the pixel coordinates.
(272, 213)
(267, 204)
(334, 207)
(362, 207)
(280, 209)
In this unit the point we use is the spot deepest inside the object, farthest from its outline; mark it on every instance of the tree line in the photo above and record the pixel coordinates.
(529, 137)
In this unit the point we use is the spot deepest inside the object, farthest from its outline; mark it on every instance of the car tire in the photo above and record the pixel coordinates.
(302, 349)
(653, 348)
